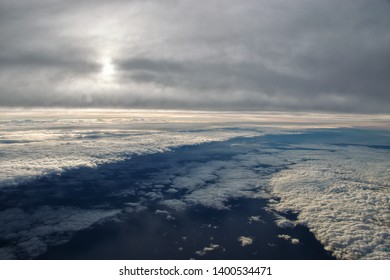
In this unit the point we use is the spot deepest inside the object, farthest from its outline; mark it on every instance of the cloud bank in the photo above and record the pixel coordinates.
(342, 196)
(36, 143)
(336, 181)
(274, 55)
(46, 144)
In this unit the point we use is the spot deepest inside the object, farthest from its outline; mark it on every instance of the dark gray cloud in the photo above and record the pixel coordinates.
(275, 55)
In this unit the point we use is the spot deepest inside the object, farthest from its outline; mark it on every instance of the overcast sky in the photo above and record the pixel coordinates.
(301, 55)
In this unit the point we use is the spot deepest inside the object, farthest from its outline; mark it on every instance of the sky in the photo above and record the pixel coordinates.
(281, 55)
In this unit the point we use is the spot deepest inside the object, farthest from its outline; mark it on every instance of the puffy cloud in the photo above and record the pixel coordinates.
(255, 219)
(295, 241)
(207, 249)
(342, 197)
(245, 240)
(284, 223)
(286, 237)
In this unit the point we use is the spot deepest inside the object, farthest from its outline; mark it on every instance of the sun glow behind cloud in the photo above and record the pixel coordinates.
(108, 69)
(134, 54)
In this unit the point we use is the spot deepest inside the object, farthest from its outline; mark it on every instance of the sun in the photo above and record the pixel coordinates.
(108, 69)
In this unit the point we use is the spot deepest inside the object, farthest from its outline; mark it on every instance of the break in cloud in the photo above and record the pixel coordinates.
(283, 55)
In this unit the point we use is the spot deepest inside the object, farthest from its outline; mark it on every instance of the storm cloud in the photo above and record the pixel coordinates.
(229, 55)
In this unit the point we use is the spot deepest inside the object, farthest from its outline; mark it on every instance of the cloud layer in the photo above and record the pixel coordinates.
(43, 142)
(301, 55)
(41, 145)
(342, 196)
(334, 180)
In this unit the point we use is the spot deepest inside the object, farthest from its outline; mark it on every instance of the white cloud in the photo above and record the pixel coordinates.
(284, 223)
(207, 249)
(294, 241)
(342, 197)
(214, 183)
(174, 204)
(163, 212)
(49, 143)
(255, 219)
(284, 236)
(245, 240)
(170, 218)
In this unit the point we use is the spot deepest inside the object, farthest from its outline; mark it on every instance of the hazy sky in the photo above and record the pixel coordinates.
(331, 55)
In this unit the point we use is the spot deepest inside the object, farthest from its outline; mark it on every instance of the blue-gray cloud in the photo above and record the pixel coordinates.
(281, 55)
